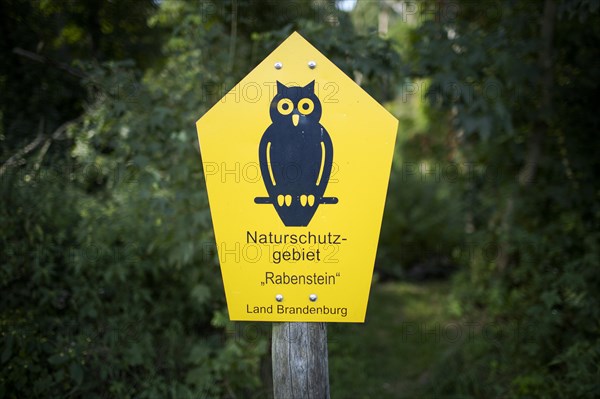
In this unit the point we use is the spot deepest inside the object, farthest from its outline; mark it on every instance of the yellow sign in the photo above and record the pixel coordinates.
(297, 160)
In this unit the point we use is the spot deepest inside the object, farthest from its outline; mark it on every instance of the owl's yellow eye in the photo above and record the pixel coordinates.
(285, 106)
(306, 106)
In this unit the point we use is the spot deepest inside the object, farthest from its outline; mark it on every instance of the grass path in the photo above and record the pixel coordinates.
(408, 327)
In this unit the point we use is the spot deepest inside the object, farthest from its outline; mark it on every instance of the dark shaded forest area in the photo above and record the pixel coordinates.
(109, 279)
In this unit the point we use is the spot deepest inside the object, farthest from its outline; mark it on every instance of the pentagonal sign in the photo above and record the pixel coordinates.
(297, 160)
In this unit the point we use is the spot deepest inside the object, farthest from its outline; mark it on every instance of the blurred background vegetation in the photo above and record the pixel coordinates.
(487, 276)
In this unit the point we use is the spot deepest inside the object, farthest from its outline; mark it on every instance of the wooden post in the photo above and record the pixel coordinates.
(300, 361)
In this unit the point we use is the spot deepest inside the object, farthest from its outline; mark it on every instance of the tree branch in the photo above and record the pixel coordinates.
(233, 37)
(48, 61)
(527, 173)
(19, 155)
(16, 157)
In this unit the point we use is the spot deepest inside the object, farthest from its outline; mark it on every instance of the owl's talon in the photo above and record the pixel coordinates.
(303, 200)
(311, 200)
(280, 200)
(288, 200)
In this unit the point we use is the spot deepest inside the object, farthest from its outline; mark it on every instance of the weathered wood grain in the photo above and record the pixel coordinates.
(300, 361)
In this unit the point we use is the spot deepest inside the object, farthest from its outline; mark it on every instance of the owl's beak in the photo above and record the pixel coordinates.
(295, 119)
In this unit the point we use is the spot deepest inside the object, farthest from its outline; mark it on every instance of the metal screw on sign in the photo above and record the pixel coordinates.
(312, 297)
(312, 64)
(278, 65)
(279, 297)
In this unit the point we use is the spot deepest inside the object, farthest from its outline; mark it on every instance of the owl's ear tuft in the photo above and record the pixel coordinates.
(310, 87)
(280, 87)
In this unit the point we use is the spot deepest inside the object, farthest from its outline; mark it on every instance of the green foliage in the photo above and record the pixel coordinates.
(115, 292)
(41, 88)
(422, 227)
(542, 274)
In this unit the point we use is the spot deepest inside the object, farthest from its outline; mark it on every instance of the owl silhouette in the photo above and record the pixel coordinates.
(295, 155)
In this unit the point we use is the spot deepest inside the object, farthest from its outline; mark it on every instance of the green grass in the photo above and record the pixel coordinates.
(408, 328)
